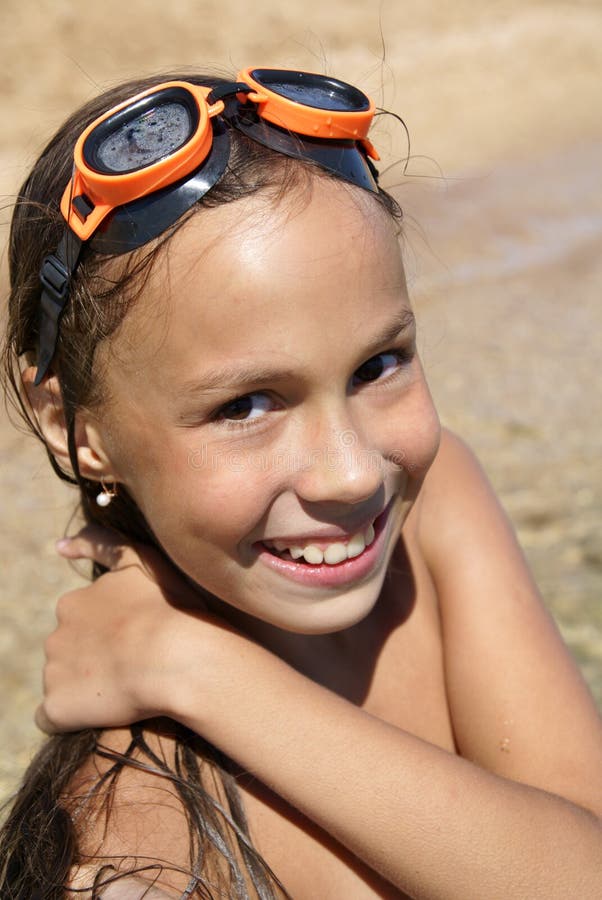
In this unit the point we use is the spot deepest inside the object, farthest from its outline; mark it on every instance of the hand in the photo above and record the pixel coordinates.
(119, 647)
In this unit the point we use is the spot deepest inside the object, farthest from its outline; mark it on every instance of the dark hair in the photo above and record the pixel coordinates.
(39, 839)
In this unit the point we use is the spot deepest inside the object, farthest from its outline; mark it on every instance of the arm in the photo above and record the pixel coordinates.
(528, 715)
(434, 824)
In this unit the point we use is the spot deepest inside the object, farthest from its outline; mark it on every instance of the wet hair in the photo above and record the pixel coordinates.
(39, 842)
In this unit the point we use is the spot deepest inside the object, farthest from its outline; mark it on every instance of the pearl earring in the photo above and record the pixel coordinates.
(106, 495)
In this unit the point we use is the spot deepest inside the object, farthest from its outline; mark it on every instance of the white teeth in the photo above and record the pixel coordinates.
(356, 545)
(313, 555)
(333, 554)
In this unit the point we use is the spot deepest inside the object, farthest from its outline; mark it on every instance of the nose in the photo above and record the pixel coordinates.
(337, 466)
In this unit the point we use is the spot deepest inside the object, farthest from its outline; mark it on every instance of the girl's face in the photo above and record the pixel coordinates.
(267, 408)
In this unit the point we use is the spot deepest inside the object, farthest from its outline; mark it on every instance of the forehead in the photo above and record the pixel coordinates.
(324, 223)
(256, 276)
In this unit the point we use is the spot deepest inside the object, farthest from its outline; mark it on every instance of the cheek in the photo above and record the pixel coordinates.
(413, 434)
(187, 491)
(426, 439)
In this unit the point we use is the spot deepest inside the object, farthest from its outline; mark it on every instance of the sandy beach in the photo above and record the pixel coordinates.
(502, 241)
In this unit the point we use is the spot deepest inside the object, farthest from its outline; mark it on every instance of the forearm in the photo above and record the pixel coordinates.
(432, 823)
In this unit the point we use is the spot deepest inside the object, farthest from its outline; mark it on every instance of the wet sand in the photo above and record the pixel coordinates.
(503, 254)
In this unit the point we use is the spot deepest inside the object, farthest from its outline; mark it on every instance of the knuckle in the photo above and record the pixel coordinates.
(50, 679)
(54, 646)
(52, 712)
(67, 604)
(49, 645)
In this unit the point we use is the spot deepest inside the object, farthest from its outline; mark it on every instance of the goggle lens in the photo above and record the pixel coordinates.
(317, 91)
(142, 133)
(152, 136)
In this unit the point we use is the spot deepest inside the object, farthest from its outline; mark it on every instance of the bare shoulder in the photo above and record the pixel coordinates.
(135, 804)
(518, 702)
(456, 503)
(454, 468)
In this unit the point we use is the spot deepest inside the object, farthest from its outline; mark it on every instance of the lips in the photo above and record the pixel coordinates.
(315, 552)
(322, 573)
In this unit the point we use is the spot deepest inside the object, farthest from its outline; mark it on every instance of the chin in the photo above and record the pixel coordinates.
(326, 615)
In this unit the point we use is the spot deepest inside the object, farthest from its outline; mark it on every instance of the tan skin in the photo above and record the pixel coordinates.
(420, 732)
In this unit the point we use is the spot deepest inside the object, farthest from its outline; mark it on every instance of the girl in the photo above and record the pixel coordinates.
(316, 665)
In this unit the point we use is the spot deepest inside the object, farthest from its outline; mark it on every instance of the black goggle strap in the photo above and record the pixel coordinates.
(373, 170)
(227, 90)
(55, 276)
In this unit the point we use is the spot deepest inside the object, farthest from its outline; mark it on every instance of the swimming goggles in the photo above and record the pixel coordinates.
(145, 162)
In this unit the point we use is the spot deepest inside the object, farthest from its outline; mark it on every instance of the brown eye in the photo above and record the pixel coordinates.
(238, 409)
(250, 406)
(377, 366)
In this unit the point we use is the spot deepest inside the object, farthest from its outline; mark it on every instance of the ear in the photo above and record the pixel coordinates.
(47, 405)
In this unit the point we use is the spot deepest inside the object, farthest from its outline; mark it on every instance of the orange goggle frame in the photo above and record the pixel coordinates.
(152, 156)
(94, 190)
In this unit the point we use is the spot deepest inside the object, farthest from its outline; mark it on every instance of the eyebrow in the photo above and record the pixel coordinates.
(233, 376)
(404, 320)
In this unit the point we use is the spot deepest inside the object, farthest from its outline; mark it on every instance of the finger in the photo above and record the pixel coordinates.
(105, 546)
(100, 544)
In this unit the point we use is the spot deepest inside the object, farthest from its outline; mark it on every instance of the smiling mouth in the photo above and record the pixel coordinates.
(322, 552)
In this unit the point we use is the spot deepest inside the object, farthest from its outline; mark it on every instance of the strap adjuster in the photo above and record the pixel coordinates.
(55, 277)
